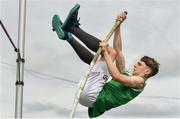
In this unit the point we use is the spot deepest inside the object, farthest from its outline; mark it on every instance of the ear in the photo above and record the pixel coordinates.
(147, 71)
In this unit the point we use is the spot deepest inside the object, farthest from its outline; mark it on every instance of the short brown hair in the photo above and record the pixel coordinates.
(152, 63)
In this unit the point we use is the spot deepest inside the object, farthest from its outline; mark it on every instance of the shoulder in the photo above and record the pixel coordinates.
(138, 81)
(137, 78)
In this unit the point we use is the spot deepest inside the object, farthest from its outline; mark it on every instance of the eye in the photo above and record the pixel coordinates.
(139, 63)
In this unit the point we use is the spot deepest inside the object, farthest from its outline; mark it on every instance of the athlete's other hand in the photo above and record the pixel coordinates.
(121, 16)
(104, 46)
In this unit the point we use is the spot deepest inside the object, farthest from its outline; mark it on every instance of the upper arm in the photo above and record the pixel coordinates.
(131, 81)
(120, 62)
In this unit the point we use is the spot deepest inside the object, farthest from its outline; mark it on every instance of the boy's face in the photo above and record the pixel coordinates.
(140, 68)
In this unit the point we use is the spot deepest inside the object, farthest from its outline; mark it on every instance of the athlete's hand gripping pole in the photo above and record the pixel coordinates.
(96, 57)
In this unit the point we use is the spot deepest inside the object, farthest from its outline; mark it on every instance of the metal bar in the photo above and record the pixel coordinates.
(20, 60)
(8, 35)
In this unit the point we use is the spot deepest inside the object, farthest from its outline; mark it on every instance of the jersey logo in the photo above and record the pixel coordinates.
(105, 77)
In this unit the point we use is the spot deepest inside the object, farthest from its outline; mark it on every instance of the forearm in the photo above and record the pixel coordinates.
(117, 36)
(120, 62)
(111, 67)
(117, 44)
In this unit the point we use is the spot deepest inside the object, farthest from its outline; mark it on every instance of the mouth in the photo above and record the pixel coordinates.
(134, 70)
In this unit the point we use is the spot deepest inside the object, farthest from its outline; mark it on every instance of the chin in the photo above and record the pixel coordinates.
(133, 73)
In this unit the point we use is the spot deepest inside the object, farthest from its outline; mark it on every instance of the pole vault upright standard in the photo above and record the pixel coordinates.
(20, 60)
(96, 57)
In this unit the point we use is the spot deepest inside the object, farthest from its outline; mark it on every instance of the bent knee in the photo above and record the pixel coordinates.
(85, 100)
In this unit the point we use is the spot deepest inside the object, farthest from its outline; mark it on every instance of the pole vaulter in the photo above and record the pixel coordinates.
(95, 91)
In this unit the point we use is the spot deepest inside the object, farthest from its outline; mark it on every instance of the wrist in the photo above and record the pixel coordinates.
(104, 52)
(117, 22)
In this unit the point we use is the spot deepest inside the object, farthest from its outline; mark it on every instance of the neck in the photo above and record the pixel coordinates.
(143, 76)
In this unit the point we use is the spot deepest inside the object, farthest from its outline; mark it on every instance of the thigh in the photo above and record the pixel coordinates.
(91, 91)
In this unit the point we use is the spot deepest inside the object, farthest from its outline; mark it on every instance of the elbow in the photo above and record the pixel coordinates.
(120, 52)
(118, 49)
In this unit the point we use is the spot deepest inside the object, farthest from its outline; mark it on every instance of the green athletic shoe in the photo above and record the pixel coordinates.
(56, 24)
(71, 19)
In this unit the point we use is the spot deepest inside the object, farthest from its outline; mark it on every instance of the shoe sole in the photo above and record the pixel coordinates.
(72, 11)
(56, 24)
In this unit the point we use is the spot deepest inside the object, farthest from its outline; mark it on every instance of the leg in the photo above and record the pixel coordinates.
(81, 51)
(90, 41)
(71, 24)
(95, 83)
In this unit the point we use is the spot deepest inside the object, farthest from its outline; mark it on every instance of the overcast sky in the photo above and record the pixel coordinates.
(52, 69)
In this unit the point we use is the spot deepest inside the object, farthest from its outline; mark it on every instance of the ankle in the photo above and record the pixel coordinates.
(69, 37)
(72, 29)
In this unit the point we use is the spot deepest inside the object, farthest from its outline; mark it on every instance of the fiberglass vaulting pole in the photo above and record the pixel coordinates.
(20, 60)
